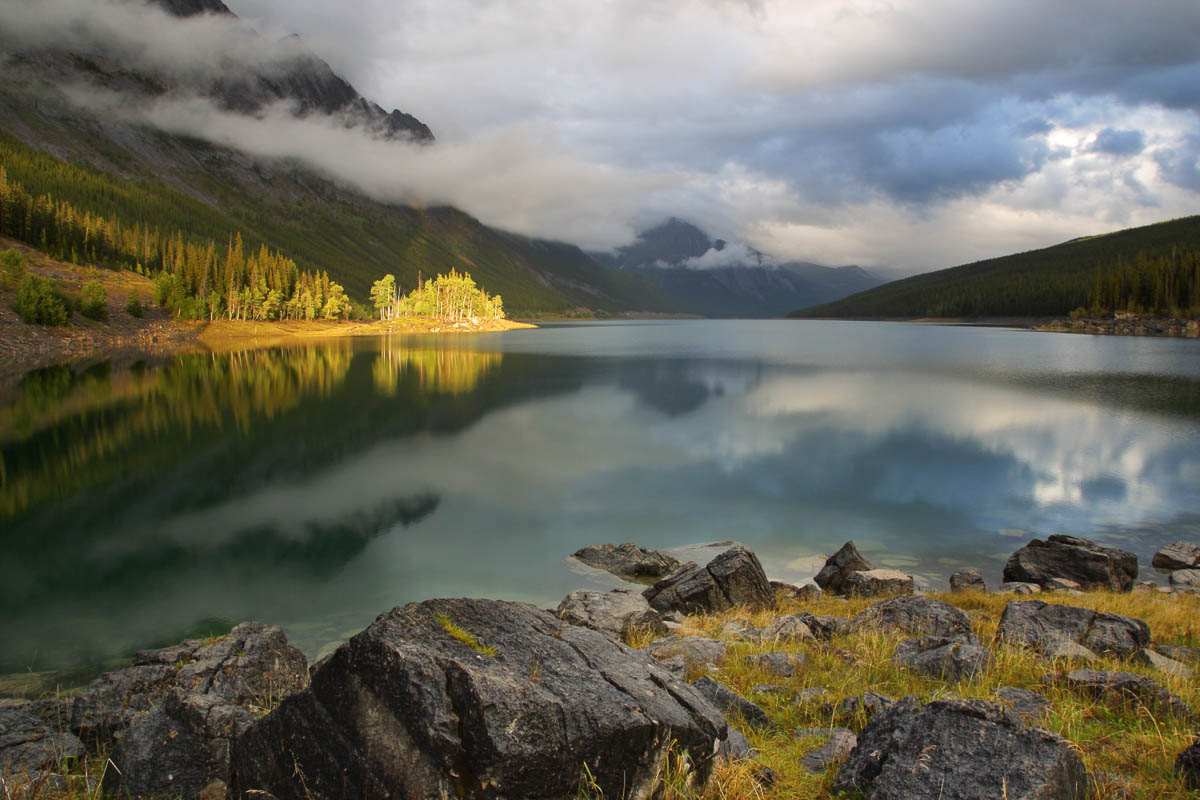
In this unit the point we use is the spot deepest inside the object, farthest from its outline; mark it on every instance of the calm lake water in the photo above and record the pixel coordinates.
(317, 486)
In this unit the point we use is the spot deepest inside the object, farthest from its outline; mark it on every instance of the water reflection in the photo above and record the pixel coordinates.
(318, 486)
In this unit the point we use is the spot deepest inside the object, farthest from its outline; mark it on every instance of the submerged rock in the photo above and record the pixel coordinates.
(478, 699)
(628, 560)
(733, 578)
(839, 566)
(959, 750)
(1080, 560)
(1038, 624)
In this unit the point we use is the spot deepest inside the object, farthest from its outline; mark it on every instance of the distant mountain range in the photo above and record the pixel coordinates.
(672, 256)
(145, 175)
(1048, 282)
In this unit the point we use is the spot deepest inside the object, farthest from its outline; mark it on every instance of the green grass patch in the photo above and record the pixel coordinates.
(465, 636)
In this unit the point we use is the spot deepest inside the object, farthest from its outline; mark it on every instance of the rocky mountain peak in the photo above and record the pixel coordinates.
(190, 8)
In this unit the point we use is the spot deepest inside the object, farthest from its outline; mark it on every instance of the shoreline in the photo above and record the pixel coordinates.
(1096, 326)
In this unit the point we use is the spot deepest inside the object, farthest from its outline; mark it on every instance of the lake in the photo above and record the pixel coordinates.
(316, 486)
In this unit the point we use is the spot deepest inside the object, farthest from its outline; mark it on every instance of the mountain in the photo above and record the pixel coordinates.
(1052, 281)
(744, 285)
(117, 168)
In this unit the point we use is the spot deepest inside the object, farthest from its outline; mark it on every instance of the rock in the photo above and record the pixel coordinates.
(1080, 560)
(786, 592)
(1125, 688)
(1188, 765)
(917, 616)
(178, 749)
(628, 560)
(782, 664)
(1026, 705)
(823, 626)
(838, 744)
(766, 777)
(811, 694)
(736, 747)
(1182, 579)
(1145, 586)
(1036, 624)
(614, 613)
(694, 652)
(870, 704)
(1017, 587)
(733, 578)
(1066, 650)
(839, 566)
(1061, 585)
(730, 702)
(877, 583)
(739, 630)
(770, 689)
(1177, 555)
(29, 746)
(1187, 655)
(407, 708)
(788, 628)
(951, 659)
(253, 666)
(1162, 663)
(959, 750)
(967, 580)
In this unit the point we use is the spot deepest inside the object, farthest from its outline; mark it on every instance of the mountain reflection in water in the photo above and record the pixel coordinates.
(317, 486)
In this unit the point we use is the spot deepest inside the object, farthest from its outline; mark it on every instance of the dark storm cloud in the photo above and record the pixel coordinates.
(1118, 143)
(829, 130)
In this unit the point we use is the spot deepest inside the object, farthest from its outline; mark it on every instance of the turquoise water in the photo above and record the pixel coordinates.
(317, 486)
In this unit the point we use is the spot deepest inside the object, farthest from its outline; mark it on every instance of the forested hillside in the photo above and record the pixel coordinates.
(1090, 272)
(210, 193)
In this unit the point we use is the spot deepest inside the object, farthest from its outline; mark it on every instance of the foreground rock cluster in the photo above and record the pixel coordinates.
(488, 699)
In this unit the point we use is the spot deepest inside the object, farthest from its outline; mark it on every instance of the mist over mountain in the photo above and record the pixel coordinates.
(715, 278)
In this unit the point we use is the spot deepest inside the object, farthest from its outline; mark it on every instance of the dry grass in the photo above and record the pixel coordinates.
(1126, 749)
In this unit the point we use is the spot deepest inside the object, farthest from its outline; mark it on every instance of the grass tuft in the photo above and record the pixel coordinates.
(465, 636)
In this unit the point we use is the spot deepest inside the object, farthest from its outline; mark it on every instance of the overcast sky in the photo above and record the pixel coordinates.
(916, 134)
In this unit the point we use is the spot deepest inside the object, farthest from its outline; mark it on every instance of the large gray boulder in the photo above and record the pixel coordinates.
(614, 613)
(180, 749)
(839, 566)
(1124, 688)
(628, 560)
(1037, 624)
(253, 666)
(733, 578)
(1090, 565)
(29, 746)
(877, 583)
(917, 616)
(948, 658)
(1177, 555)
(478, 699)
(959, 750)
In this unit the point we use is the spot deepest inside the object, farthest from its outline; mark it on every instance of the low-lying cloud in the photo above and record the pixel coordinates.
(913, 134)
